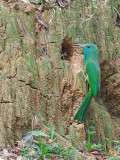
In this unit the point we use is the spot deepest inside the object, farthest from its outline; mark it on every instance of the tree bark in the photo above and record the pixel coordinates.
(41, 72)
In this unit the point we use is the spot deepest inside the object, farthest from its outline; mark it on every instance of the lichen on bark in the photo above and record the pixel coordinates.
(41, 80)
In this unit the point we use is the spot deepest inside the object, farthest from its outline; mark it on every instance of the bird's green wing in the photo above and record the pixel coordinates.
(93, 77)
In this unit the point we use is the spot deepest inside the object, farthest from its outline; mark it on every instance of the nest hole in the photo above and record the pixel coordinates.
(66, 49)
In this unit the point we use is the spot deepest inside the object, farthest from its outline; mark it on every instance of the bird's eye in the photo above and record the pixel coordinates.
(88, 46)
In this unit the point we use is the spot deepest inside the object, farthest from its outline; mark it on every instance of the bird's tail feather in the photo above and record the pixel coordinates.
(81, 114)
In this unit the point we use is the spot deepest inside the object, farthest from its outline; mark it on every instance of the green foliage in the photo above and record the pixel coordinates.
(92, 121)
(90, 133)
(44, 150)
(38, 133)
(114, 158)
(111, 144)
(52, 133)
(108, 144)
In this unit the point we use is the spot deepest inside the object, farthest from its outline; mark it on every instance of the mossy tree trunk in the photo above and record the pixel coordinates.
(41, 74)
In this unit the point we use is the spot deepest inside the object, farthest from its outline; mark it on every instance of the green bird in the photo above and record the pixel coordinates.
(92, 67)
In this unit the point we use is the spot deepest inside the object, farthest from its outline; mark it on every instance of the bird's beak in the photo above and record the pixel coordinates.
(80, 45)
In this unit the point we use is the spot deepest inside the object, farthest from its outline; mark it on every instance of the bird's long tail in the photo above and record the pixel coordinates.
(81, 114)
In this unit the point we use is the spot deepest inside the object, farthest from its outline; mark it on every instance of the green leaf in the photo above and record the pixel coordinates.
(92, 132)
(52, 133)
(92, 121)
(38, 133)
(92, 127)
(117, 147)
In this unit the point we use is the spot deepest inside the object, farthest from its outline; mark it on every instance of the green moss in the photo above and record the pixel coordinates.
(60, 128)
(2, 44)
(66, 22)
(108, 130)
(103, 124)
(30, 28)
(51, 112)
(45, 67)
(12, 29)
(5, 12)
